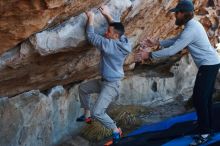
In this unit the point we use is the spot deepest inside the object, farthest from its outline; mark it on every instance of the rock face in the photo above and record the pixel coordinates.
(71, 34)
(32, 69)
(59, 54)
(20, 19)
(33, 118)
(43, 45)
(149, 89)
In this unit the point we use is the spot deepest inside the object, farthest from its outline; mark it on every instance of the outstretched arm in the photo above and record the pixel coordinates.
(148, 42)
(184, 39)
(168, 42)
(105, 12)
(95, 39)
(90, 16)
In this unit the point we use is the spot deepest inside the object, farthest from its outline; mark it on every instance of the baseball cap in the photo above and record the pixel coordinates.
(183, 6)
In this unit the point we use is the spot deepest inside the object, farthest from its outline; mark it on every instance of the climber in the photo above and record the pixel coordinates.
(114, 47)
(206, 58)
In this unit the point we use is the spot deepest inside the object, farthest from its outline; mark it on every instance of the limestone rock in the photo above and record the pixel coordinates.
(71, 34)
(33, 118)
(20, 19)
(25, 64)
(45, 55)
(152, 88)
(23, 68)
(76, 141)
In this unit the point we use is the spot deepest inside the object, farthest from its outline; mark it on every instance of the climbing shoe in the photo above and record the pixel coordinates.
(116, 136)
(200, 139)
(84, 119)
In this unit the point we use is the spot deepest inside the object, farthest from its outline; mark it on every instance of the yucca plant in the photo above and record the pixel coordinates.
(95, 131)
(127, 118)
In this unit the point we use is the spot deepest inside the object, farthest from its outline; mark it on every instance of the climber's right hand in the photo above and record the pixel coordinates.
(90, 16)
(104, 10)
(149, 42)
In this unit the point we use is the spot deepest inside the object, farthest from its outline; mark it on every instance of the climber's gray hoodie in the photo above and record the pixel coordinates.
(113, 53)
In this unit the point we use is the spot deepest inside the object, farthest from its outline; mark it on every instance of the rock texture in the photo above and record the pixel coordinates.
(155, 87)
(31, 69)
(36, 119)
(59, 54)
(45, 55)
(71, 34)
(20, 19)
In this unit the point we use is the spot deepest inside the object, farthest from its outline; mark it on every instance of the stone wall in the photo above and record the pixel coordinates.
(36, 119)
(45, 56)
(61, 55)
(42, 119)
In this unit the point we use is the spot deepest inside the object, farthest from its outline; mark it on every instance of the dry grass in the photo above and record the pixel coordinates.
(126, 117)
(127, 120)
(95, 132)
